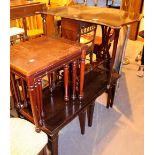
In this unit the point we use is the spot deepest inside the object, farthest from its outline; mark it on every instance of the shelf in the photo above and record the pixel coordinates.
(58, 113)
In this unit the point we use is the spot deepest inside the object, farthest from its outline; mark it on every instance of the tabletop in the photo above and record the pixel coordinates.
(38, 54)
(113, 18)
(17, 3)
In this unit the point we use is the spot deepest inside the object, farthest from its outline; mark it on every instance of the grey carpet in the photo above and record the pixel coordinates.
(116, 131)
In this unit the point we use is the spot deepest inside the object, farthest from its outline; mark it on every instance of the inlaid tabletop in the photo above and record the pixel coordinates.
(105, 16)
(38, 54)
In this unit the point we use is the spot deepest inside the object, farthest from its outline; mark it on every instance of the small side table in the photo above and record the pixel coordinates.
(34, 59)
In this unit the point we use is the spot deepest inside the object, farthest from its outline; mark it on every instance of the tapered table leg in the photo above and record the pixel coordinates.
(82, 119)
(90, 112)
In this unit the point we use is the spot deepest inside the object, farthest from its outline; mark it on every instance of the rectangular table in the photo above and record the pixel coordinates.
(108, 18)
(30, 61)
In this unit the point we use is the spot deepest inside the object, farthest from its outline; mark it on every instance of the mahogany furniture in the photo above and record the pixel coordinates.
(58, 113)
(109, 19)
(24, 8)
(30, 61)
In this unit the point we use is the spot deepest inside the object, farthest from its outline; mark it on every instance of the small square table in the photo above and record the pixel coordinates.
(33, 59)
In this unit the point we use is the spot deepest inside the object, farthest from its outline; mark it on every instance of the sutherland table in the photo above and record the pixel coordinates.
(32, 60)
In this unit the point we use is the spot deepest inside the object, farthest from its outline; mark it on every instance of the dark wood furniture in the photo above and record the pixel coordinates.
(24, 8)
(58, 113)
(109, 19)
(30, 61)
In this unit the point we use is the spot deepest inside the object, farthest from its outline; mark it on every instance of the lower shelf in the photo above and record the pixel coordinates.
(58, 113)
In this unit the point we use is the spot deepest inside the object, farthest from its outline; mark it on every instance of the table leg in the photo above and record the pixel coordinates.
(74, 79)
(90, 111)
(82, 69)
(51, 81)
(103, 52)
(38, 87)
(33, 101)
(23, 83)
(53, 144)
(66, 77)
(82, 119)
(113, 56)
(44, 23)
(14, 90)
(25, 28)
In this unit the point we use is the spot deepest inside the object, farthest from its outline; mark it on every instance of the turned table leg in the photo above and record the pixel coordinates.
(38, 86)
(66, 97)
(33, 101)
(74, 80)
(82, 69)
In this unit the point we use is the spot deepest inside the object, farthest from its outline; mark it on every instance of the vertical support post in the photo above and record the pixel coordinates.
(25, 28)
(90, 111)
(82, 119)
(82, 69)
(33, 95)
(66, 96)
(24, 92)
(44, 23)
(74, 80)
(53, 144)
(14, 90)
(38, 87)
(113, 56)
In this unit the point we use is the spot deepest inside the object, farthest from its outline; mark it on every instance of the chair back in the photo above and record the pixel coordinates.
(34, 26)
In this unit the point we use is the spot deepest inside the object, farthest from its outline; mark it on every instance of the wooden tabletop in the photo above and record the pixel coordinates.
(17, 3)
(38, 54)
(105, 16)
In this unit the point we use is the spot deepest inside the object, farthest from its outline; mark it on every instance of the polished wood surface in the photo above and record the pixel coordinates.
(31, 60)
(105, 16)
(43, 52)
(59, 113)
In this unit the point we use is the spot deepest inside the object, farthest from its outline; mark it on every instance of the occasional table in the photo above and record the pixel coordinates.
(109, 19)
(30, 61)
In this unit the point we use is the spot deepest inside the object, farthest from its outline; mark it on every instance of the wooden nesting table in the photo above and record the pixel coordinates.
(32, 60)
